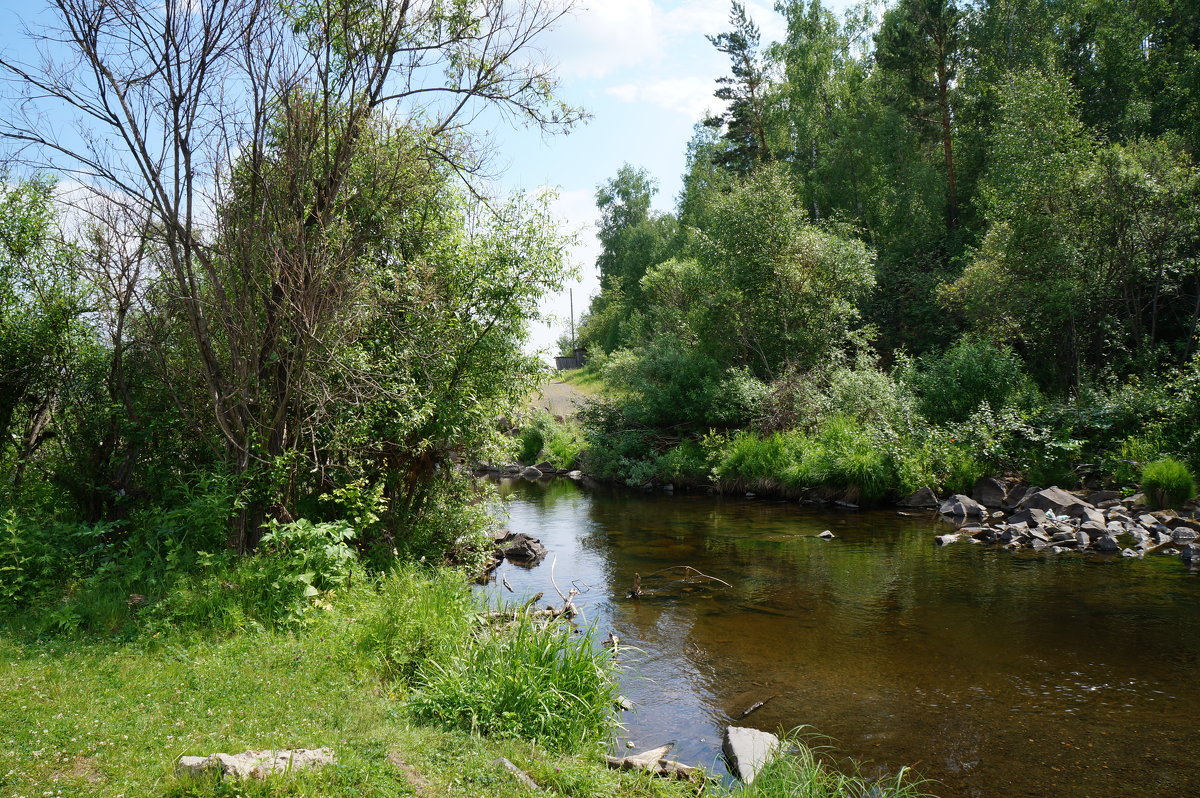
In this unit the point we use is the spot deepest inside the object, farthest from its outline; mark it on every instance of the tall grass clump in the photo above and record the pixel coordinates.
(751, 459)
(1168, 482)
(529, 680)
(415, 616)
(845, 457)
(796, 771)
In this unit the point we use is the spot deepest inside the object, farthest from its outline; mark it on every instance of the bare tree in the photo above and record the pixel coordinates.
(233, 125)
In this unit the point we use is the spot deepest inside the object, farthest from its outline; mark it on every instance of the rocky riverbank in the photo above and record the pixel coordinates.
(1055, 521)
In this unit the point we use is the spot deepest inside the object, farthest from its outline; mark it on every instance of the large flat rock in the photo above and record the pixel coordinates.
(748, 750)
(255, 764)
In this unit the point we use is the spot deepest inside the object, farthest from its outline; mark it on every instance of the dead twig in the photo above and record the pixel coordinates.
(684, 567)
(757, 705)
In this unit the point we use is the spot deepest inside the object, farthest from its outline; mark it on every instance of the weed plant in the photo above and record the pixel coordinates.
(797, 771)
(527, 679)
(1168, 482)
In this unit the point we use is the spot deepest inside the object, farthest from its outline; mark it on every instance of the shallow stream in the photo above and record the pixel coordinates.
(997, 674)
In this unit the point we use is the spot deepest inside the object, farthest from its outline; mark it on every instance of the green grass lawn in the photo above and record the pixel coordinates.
(103, 719)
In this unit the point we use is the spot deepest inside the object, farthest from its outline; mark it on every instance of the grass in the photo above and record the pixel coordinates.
(801, 773)
(586, 379)
(415, 691)
(100, 718)
(1168, 482)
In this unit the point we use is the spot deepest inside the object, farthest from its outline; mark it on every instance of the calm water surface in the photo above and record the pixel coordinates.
(997, 674)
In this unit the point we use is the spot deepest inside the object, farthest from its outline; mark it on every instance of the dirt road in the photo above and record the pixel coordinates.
(558, 397)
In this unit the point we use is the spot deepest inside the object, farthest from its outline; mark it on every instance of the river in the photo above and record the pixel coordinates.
(993, 673)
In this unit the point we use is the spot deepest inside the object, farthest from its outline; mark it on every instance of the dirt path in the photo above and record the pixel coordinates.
(558, 397)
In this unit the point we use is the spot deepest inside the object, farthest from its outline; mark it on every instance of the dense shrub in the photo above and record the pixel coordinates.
(955, 383)
(1168, 482)
(545, 438)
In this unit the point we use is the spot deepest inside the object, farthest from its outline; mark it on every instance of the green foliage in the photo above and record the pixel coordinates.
(416, 616)
(558, 442)
(785, 292)
(531, 443)
(845, 457)
(668, 384)
(971, 373)
(1168, 482)
(685, 464)
(530, 680)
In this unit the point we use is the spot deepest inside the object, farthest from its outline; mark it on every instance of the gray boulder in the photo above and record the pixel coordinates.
(523, 548)
(1084, 513)
(961, 506)
(747, 750)
(1183, 523)
(990, 492)
(1108, 545)
(1136, 502)
(1053, 498)
(255, 764)
(925, 497)
(946, 540)
(1190, 553)
(1028, 517)
(1099, 496)
(1181, 534)
(1017, 494)
(531, 473)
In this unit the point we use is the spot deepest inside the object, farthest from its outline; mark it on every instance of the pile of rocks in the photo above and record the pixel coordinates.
(538, 471)
(1053, 520)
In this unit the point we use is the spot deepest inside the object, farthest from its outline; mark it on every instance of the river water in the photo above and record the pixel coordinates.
(994, 673)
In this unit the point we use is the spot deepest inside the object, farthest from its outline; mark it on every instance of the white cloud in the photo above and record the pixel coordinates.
(690, 96)
(605, 36)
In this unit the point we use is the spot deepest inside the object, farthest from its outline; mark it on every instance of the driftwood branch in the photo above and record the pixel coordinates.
(686, 568)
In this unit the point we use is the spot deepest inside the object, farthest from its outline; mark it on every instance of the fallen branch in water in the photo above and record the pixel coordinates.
(687, 568)
(754, 707)
(568, 608)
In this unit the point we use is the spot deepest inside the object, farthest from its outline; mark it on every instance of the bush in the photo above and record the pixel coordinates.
(845, 457)
(1168, 482)
(686, 464)
(955, 383)
(528, 680)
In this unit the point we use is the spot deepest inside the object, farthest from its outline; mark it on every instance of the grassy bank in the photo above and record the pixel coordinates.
(401, 670)
(400, 676)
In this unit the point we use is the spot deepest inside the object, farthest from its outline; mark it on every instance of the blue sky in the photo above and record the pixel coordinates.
(646, 73)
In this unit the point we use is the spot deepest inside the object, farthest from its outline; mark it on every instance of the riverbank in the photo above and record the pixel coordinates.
(99, 716)
(410, 684)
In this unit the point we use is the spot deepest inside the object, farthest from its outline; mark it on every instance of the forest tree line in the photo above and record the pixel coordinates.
(965, 233)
